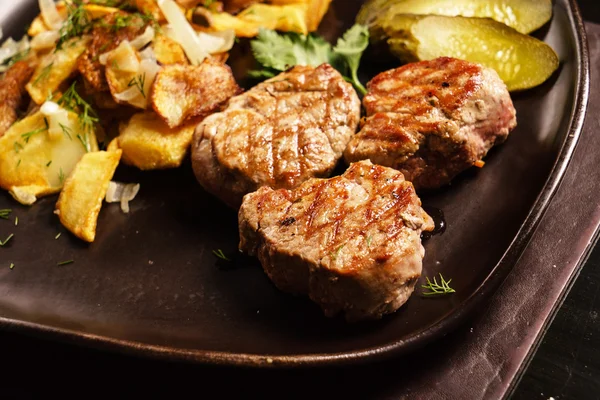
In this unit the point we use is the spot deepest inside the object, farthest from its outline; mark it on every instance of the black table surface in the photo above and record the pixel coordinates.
(566, 365)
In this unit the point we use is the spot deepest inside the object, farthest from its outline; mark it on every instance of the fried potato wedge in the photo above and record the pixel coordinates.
(35, 163)
(81, 199)
(54, 69)
(148, 143)
(286, 18)
(182, 92)
(168, 51)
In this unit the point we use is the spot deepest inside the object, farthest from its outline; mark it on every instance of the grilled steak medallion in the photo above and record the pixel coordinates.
(352, 243)
(433, 119)
(282, 132)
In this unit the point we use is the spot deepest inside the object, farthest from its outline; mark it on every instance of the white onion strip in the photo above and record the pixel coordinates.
(184, 34)
(122, 192)
(50, 14)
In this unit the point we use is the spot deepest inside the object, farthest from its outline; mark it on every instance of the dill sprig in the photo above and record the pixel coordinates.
(5, 213)
(18, 147)
(437, 289)
(86, 116)
(78, 23)
(139, 82)
(61, 176)
(219, 254)
(44, 74)
(6, 240)
(15, 58)
(65, 262)
(27, 135)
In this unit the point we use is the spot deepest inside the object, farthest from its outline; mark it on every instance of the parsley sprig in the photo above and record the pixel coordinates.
(277, 52)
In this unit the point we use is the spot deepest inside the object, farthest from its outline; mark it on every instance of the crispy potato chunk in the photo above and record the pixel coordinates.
(12, 89)
(150, 7)
(168, 51)
(81, 198)
(54, 69)
(35, 163)
(182, 92)
(302, 16)
(148, 143)
(106, 36)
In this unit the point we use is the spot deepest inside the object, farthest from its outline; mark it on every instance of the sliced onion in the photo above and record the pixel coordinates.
(58, 120)
(122, 192)
(45, 40)
(126, 58)
(148, 70)
(142, 40)
(50, 14)
(183, 32)
(148, 54)
(217, 42)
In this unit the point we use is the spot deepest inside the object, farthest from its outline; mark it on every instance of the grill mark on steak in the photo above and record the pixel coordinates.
(285, 130)
(433, 119)
(324, 246)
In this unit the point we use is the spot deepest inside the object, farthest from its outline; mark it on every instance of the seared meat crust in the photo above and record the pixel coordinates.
(282, 132)
(351, 243)
(433, 119)
(12, 89)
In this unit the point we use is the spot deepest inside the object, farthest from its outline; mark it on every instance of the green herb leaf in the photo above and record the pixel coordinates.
(65, 262)
(5, 213)
(139, 82)
(437, 289)
(86, 115)
(350, 49)
(44, 74)
(219, 254)
(277, 52)
(6, 240)
(78, 23)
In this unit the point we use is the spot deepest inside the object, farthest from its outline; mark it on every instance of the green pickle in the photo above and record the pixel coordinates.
(524, 16)
(521, 61)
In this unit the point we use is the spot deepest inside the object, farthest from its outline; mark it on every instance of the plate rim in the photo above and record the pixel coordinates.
(395, 348)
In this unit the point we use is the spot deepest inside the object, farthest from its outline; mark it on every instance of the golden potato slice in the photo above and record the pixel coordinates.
(54, 69)
(182, 92)
(122, 65)
(148, 143)
(34, 163)
(168, 51)
(315, 13)
(150, 7)
(81, 198)
(286, 18)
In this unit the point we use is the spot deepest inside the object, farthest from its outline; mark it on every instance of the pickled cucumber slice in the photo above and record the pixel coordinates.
(521, 61)
(523, 15)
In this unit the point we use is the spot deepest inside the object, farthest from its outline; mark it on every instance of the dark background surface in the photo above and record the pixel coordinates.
(566, 366)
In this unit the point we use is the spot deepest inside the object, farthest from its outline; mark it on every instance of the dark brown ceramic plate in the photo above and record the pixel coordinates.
(151, 285)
